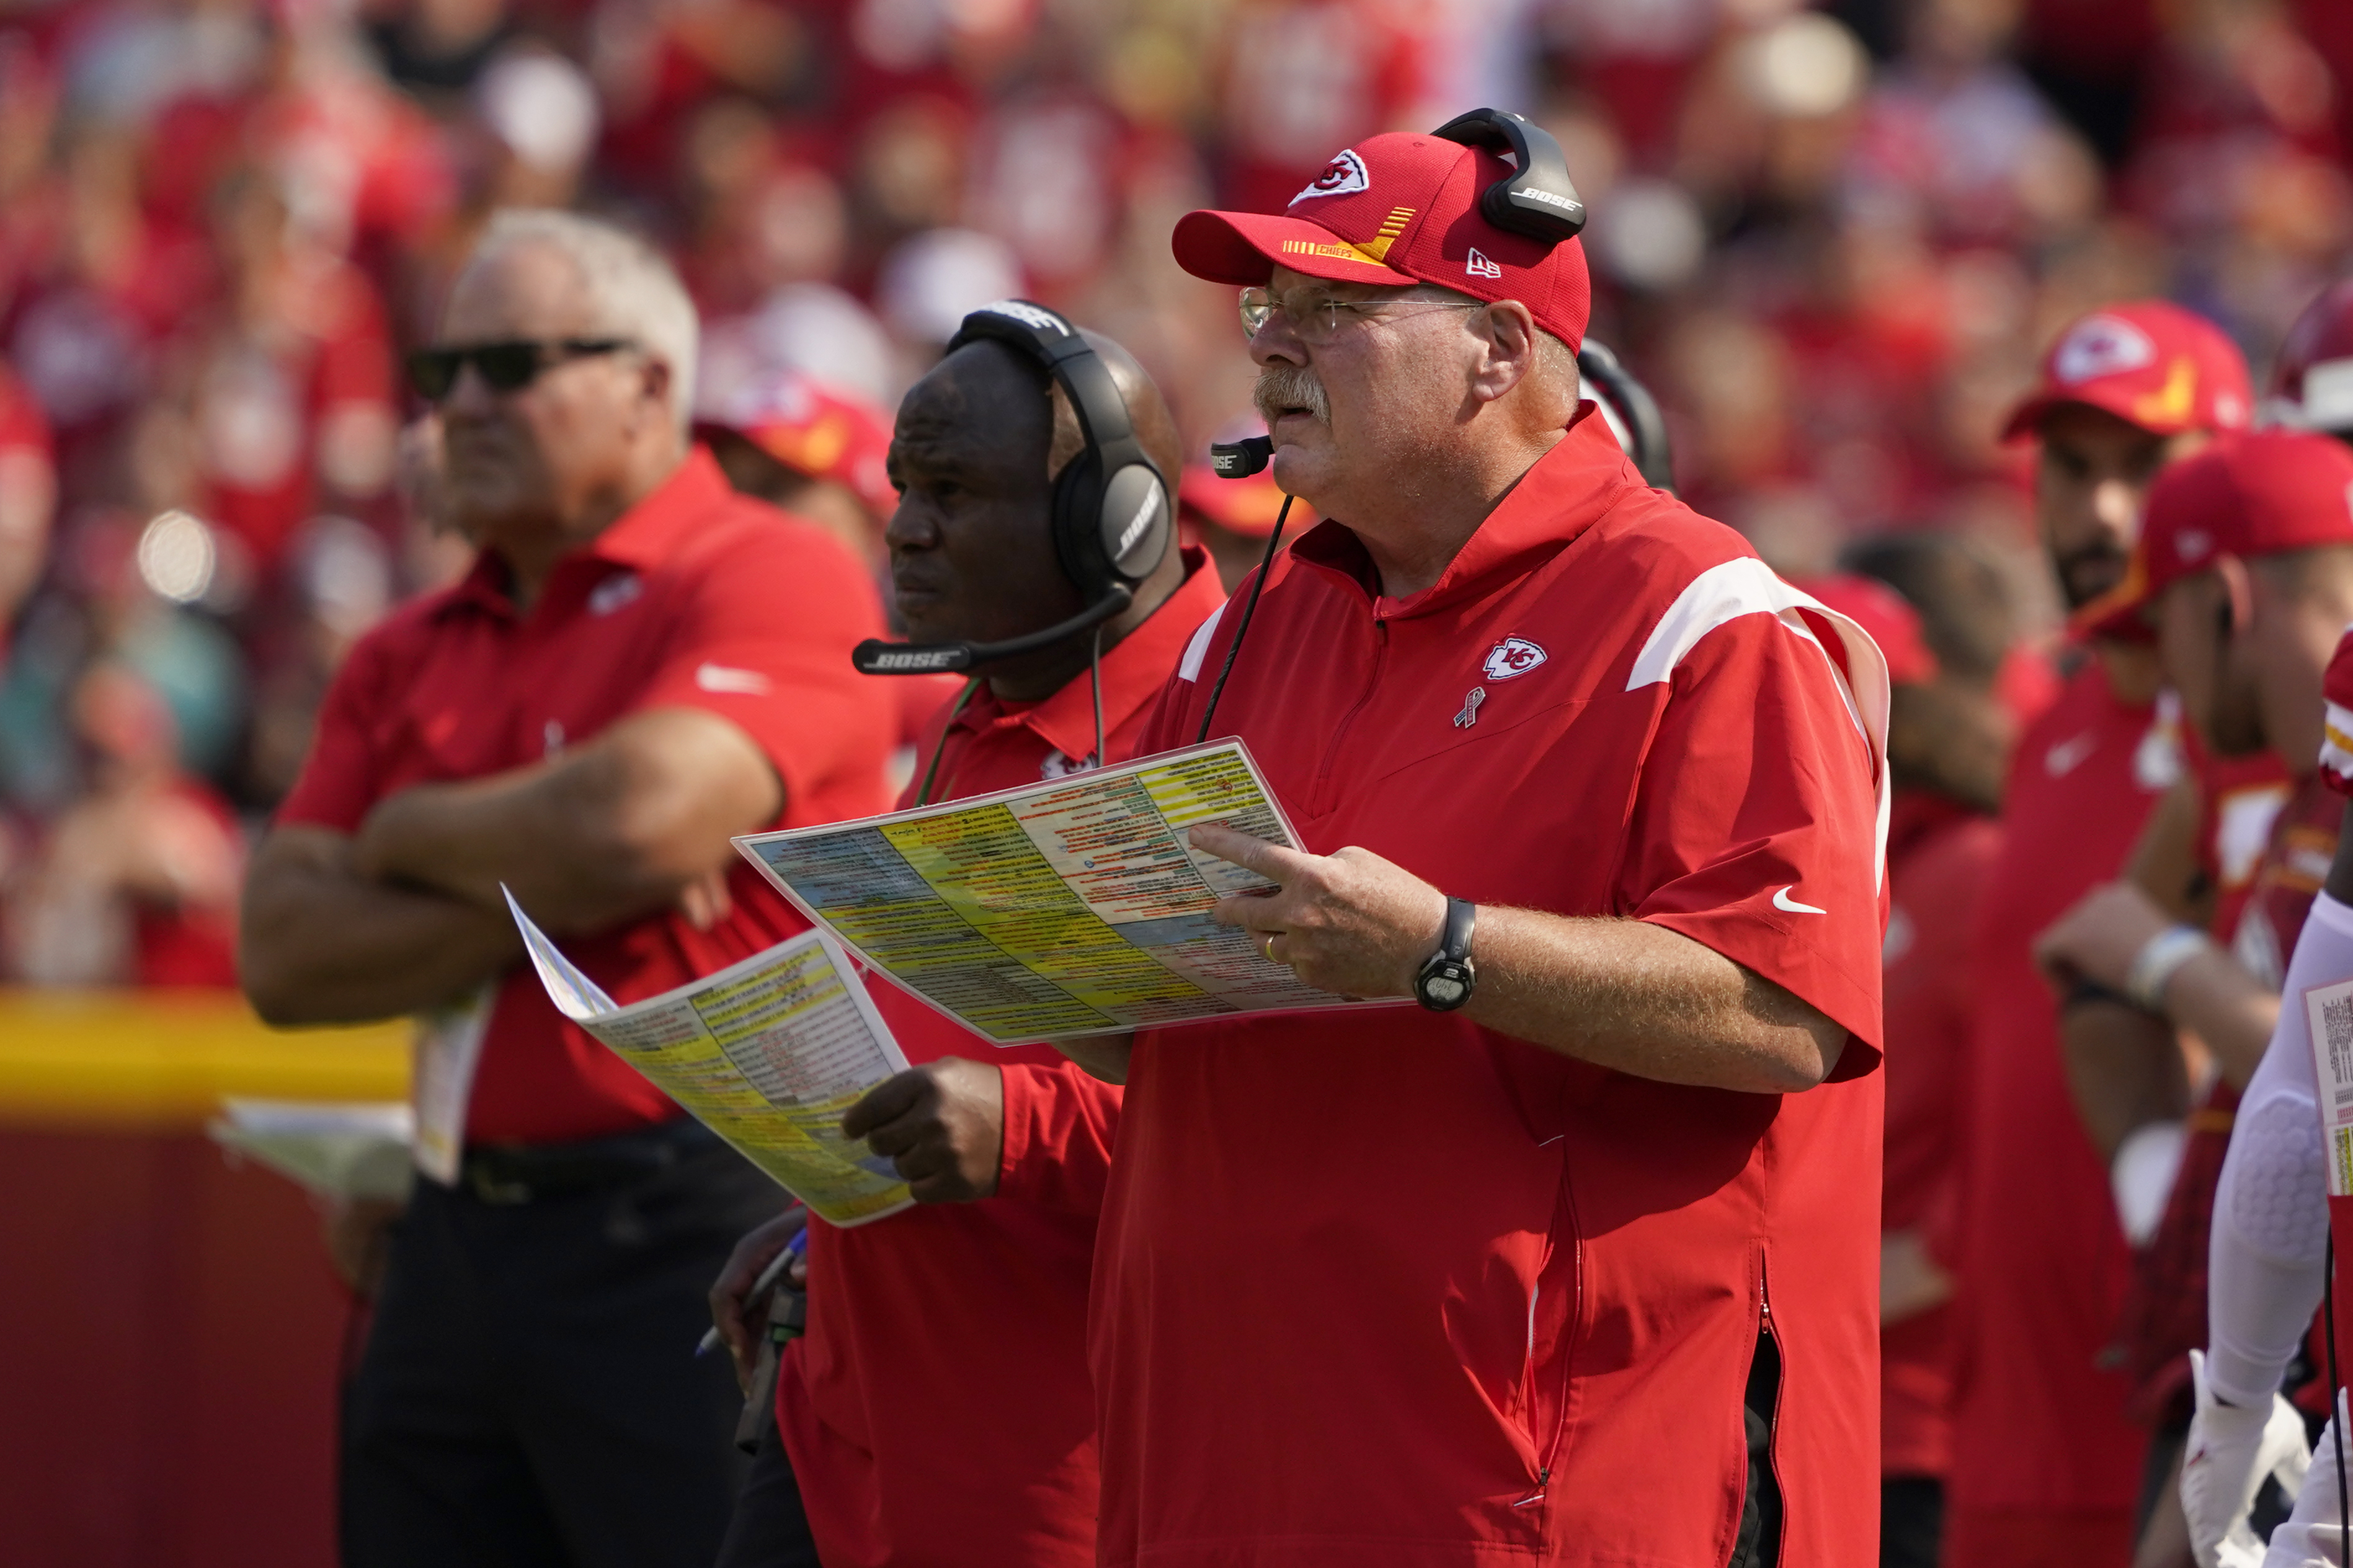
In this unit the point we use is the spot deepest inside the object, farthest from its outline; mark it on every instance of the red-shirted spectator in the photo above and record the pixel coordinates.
(641, 664)
(2046, 1468)
(877, 1403)
(136, 884)
(285, 394)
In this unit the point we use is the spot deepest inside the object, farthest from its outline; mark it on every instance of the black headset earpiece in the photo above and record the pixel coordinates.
(1111, 518)
(1537, 198)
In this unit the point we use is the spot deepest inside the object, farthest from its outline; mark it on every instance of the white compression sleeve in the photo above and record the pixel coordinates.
(2271, 1213)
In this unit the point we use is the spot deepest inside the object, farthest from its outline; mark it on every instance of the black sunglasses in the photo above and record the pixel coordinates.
(505, 366)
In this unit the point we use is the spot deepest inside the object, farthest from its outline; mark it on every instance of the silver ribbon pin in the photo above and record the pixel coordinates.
(1470, 714)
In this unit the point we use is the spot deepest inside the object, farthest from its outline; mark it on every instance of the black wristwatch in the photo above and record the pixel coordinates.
(1448, 976)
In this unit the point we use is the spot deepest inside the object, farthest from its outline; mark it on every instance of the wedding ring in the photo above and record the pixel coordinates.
(1270, 947)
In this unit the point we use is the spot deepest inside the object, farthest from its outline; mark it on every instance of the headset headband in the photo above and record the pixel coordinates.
(1048, 339)
(1537, 198)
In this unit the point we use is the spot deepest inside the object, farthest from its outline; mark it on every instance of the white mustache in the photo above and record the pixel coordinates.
(1282, 388)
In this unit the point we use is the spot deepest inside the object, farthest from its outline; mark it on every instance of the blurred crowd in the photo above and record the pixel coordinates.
(1832, 241)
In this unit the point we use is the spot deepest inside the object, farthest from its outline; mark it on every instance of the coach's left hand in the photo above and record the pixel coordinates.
(1350, 923)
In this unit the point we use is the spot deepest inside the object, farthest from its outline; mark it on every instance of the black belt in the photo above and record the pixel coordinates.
(522, 1173)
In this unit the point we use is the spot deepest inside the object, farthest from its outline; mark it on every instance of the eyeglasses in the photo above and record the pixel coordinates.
(505, 366)
(1315, 316)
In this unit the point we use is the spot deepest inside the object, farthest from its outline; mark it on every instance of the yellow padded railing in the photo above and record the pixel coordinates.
(162, 1059)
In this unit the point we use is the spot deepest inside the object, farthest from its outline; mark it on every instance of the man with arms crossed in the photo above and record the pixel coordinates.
(937, 1412)
(641, 664)
(1585, 1271)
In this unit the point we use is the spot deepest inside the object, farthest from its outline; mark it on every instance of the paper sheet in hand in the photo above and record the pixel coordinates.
(332, 1148)
(767, 1053)
(1071, 907)
(2328, 1011)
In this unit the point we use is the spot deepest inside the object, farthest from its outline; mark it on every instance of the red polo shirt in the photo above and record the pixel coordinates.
(938, 1414)
(1391, 1288)
(696, 598)
(2038, 1423)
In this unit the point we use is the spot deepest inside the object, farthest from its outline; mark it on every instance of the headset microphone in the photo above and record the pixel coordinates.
(875, 656)
(1241, 459)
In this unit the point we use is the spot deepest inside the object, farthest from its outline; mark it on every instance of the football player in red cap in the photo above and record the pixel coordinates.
(2247, 559)
(2046, 1469)
(1571, 1259)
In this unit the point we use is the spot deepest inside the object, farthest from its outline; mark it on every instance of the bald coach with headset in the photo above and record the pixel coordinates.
(937, 1412)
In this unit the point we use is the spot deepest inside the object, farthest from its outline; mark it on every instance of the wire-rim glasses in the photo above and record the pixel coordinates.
(1315, 316)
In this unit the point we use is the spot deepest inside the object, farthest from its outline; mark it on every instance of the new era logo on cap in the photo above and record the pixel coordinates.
(1478, 266)
(2101, 345)
(1340, 175)
(2192, 543)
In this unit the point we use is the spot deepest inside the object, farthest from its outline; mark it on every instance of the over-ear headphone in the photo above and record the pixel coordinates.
(1111, 517)
(1537, 198)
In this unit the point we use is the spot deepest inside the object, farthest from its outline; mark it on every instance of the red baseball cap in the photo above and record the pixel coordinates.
(1888, 616)
(2149, 364)
(1395, 210)
(812, 430)
(2253, 494)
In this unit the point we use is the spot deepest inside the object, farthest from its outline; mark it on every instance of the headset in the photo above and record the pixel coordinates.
(1111, 517)
(1537, 198)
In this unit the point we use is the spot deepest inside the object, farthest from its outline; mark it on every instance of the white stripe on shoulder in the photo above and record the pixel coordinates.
(1189, 668)
(1746, 586)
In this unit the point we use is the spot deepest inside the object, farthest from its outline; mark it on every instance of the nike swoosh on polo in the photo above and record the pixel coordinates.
(724, 678)
(1782, 901)
(2068, 755)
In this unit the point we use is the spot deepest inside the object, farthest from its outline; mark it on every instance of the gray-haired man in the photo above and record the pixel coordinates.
(641, 664)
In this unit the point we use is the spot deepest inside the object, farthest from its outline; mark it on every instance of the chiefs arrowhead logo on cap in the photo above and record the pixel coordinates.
(1340, 175)
(2101, 345)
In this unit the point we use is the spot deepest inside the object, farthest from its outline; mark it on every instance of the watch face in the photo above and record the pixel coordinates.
(1444, 986)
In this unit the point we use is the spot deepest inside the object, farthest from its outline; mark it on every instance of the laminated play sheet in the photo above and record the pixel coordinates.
(1074, 906)
(767, 1053)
